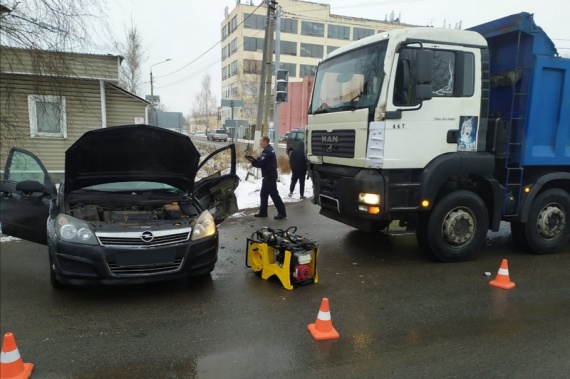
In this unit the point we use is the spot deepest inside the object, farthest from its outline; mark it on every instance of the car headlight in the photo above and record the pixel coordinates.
(73, 230)
(204, 227)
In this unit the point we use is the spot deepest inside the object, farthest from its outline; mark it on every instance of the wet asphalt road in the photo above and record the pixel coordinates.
(399, 315)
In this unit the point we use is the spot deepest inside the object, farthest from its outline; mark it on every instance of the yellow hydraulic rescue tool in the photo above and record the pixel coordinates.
(290, 257)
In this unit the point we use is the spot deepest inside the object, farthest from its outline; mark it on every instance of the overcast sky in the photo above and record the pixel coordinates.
(188, 32)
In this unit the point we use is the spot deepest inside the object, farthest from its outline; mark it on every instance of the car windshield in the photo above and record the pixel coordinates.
(134, 186)
(350, 81)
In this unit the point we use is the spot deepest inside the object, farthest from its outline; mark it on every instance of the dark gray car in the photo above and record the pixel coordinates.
(128, 209)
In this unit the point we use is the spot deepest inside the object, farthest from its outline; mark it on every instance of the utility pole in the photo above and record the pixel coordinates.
(262, 117)
(277, 64)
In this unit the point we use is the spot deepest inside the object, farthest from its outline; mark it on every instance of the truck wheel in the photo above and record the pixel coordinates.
(548, 227)
(457, 226)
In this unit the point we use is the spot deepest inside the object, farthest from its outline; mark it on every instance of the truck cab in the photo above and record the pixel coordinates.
(428, 129)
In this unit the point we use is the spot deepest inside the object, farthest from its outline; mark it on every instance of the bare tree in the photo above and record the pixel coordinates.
(205, 104)
(135, 55)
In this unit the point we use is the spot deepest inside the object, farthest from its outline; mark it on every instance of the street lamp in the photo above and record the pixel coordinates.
(151, 83)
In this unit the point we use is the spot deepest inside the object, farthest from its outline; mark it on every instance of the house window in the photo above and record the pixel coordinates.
(315, 29)
(338, 32)
(47, 116)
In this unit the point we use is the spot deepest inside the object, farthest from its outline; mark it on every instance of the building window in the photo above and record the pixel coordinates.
(234, 23)
(47, 116)
(234, 90)
(359, 33)
(233, 68)
(288, 48)
(307, 70)
(289, 26)
(225, 72)
(252, 44)
(251, 66)
(225, 32)
(234, 46)
(225, 52)
(338, 32)
(330, 49)
(311, 50)
(315, 29)
(291, 67)
(254, 21)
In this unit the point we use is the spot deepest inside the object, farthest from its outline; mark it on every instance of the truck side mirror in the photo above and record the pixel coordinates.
(424, 66)
(424, 70)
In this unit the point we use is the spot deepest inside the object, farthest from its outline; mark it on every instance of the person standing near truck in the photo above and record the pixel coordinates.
(298, 163)
(267, 162)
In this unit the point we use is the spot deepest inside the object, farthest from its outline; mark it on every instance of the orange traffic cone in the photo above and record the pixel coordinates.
(11, 364)
(502, 280)
(322, 329)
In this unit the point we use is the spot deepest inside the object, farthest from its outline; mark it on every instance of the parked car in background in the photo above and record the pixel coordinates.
(217, 135)
(295, 136)
(128, 209)
(284, 137)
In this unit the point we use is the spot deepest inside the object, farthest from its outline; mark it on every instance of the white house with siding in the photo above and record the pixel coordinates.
(49, 99)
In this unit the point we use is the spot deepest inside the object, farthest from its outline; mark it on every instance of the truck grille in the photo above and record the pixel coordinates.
(338, 143)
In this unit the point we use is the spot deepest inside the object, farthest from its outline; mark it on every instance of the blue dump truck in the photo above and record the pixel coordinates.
(446, 133)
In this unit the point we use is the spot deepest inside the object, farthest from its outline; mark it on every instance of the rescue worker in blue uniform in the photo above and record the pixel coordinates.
(267, 162)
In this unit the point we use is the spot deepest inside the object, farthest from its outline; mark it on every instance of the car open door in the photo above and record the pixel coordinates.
(216, 183)
(26, 190)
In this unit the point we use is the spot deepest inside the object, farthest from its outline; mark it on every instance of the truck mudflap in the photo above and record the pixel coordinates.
(336, 190)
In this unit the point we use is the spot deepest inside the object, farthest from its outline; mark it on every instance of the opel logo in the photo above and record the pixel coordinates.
(147, 236)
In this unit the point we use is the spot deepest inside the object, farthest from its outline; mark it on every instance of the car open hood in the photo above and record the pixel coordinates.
(131, 153)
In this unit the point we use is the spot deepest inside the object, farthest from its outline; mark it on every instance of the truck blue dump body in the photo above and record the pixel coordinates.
(538, 104)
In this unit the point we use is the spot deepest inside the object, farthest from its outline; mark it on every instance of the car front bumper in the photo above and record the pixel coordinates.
(87, 264)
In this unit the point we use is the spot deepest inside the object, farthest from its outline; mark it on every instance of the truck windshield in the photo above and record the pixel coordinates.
(350, 81)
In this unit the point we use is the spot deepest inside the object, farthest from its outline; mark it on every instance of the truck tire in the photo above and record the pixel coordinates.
(548, 227)
(457, 226)
(422, 231)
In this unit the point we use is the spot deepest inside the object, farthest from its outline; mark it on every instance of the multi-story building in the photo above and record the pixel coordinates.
(308, 32)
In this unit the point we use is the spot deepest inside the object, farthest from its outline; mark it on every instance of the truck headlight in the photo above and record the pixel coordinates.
(369, 198)
(204, 227)
(74, 230)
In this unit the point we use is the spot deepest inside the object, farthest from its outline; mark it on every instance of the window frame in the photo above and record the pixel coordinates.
(32, 111)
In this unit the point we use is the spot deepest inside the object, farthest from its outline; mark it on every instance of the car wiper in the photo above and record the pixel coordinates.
(318, 111)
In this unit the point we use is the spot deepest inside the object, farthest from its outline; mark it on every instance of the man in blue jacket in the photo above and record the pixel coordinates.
(267, 162)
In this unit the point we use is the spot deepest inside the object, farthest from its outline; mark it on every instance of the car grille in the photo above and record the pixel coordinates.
(144, 238)
(338, 143)
(146, 269)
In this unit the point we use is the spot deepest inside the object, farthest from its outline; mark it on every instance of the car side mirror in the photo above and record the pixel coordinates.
(30, 186)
